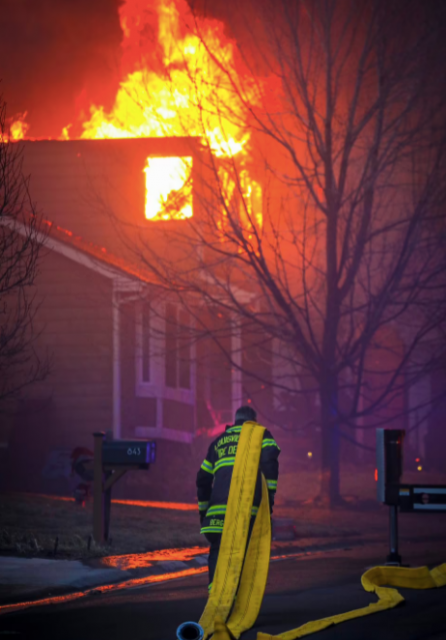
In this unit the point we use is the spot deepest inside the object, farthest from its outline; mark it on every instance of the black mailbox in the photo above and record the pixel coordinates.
(128, 452)
(112, 460)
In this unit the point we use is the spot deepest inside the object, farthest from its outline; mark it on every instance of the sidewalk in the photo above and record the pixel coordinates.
(29, 579)
(25, 580)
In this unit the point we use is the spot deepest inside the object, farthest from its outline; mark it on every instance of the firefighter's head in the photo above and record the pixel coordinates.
(243, 414)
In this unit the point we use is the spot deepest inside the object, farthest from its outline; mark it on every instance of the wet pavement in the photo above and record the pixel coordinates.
(23, 580)
(301, 587)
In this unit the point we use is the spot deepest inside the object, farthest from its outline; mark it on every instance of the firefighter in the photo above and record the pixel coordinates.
(214, 480)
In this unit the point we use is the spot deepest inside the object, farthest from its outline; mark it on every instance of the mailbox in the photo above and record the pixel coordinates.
(112, 460)
(128, 452)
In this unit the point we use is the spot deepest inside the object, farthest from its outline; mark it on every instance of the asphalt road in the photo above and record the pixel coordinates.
(299, 589)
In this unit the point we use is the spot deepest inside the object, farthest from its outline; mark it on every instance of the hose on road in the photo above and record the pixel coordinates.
(240, 577)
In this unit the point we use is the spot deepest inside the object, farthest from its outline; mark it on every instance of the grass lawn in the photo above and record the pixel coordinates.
(30, 524)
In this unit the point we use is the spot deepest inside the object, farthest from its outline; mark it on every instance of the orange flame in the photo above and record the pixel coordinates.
(19, 128)
(173, 86)
(177, 81)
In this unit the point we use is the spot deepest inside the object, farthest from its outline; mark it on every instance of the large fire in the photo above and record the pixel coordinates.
(172, 85)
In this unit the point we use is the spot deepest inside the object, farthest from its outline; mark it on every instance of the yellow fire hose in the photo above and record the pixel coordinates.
(233, 608)
(239, 583)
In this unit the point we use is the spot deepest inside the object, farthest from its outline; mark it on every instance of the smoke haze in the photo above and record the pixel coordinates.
(56, 58)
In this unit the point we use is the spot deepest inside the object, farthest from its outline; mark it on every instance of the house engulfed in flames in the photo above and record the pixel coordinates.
(119, 358)
(122, 359)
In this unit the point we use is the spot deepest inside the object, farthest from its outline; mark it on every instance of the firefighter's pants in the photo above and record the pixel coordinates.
(214, 540)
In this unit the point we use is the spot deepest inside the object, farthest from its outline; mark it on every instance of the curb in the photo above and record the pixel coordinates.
(159, 571)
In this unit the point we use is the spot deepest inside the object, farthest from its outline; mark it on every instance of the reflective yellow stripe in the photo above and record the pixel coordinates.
(225, 462)
(211, 529)
(269, 442)
(207, 466)
(220, 509)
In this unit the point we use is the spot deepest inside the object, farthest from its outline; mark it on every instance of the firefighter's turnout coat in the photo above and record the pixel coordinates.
(214, 477)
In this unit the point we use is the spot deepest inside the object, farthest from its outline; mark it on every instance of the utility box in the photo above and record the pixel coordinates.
(407, 497)
(128, 452)
(389, 464)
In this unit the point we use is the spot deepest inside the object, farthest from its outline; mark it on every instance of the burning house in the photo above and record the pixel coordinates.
(207, 178)
(124, 358)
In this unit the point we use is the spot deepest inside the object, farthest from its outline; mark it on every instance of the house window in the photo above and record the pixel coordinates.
(168, 188)
(178, 356)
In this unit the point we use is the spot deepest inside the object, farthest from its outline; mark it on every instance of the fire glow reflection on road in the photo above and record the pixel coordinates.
(174, 506)
(143, 560)
(128, 584)
(141, 582)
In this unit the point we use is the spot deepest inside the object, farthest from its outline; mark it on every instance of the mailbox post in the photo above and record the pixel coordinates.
(112, 459)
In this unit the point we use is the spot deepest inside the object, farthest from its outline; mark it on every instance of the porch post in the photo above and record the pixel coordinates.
(236, 374)
(116, 364)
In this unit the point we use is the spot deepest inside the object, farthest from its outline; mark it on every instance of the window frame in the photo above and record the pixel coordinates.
(156, 385)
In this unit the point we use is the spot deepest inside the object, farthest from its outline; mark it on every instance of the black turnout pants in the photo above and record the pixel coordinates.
(214, 540)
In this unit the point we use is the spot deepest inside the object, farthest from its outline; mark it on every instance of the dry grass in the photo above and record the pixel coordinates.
(30, 524)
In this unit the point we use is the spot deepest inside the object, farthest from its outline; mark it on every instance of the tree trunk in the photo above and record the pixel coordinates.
(330, 443)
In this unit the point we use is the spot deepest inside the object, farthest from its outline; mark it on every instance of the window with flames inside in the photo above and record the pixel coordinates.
(168, 188)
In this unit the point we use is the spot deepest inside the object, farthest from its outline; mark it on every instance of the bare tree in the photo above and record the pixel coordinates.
(19, 253)
(338, 267)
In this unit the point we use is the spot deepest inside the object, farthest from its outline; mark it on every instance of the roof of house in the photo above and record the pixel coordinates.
(92, 194)
(102, 254)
